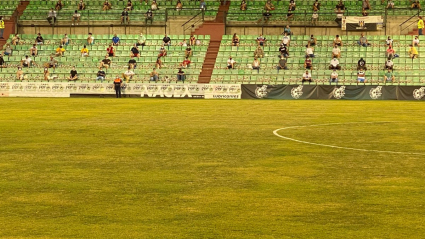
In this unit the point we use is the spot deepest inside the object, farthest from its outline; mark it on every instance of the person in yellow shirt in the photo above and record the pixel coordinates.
(413, 53)
(60, 51)
(85, 51)
(420, 25)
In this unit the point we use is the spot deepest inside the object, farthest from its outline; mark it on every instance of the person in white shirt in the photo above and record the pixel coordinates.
(334, 77)
(26, 62)
(334, 64)
(256, 65)
(337, 41)
(389, 64)
(309, 51)
(389, 41)
(286, 40)
(390, 4)
(231, 63)
(51, 16)
(75, 16)
(314, 18)
(415, 41)
(306, 77)
(90, 39)
(336, 52)
(361, 76)
(128, 75)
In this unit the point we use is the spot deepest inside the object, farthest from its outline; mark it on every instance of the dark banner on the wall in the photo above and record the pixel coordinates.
(349, 92)
(367, 23)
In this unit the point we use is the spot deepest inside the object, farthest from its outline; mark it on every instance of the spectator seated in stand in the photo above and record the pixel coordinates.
(390, 53)
(334, 77)
(132, 63)
(7, 50)
(312, 41)
(110, 50)
(306, 77)
(185, 63)
(101, 75)
(2, 62)
(231, 63)
(59, 5)
(283, 50)
(20, 74)
(134, 52)
(154, 76)
(162, 52)
(282, 64)
(361, 76)
(286, 40)
(243, 5)
(76, 17)
(389, 65)
(413, 53)
(415, 41)
(337, 41)
(124, 16)
(309, 52)
(60, 51)
(106, 6)
(261, 40)
(256, 65)
(389, 76)
(105, 63)
(65, 40)
(33, 50)
(181, 76)
(16, 39)
(84, 51)
(269, 6)
(259, 53)
(166, 41)
(415, 4)
(235, 40)
(334, 64)
(308, 63)
(336, 52)
(90, 39)
(39, 39)
(73, 75)
(361, 64)
(128, 75)
(115, 40)
(188, 52)
(363, 41)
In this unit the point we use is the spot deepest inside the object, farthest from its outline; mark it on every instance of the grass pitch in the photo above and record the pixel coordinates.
(154, 168)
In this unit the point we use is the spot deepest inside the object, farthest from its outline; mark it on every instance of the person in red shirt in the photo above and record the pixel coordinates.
(110, 50)
(308, 63)
(390, 52)
(185, 63)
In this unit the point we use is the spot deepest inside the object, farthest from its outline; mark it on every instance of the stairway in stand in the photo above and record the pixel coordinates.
(9, 25)
(216, 30)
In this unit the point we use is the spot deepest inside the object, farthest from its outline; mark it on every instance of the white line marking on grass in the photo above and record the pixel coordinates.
(275, 132)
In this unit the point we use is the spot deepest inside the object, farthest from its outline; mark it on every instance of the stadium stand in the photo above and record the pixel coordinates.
(407, 71)
(93, 11)
(304, 10)
(7, 8)
(87, 67)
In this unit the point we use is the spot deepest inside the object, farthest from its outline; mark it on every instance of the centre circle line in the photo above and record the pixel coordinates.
(275, 132)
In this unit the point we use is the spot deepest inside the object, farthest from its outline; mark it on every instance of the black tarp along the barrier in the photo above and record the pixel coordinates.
(286, 92)
(349, 92)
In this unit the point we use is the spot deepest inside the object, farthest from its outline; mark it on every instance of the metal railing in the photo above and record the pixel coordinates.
(408, 25)
(191, 23)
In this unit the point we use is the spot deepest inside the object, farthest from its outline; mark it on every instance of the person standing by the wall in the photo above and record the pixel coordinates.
(420, 25)
(1, 27)
(117, 86)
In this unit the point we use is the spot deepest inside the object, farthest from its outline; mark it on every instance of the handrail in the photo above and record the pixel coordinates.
(416, 14)
(191, 18)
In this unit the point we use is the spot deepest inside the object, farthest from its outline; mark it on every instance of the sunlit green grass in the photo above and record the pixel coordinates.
(154, 168)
